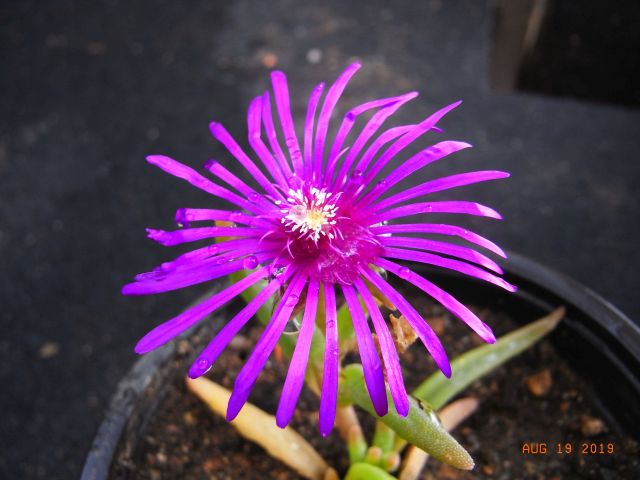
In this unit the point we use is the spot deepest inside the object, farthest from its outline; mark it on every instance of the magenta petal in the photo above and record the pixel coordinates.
(421, 327)
(269, 128)
(225, 175)
(314, 99)
(440, 229)
(254, 122)
(334, 93)
(176, 237)
(249, 373)
(451, 264)
(179, 170)
(420, 160)
(281, 94)
(388, 350)
(298, 365)
(407, 139)
(211, 352)
(390, 106)
(174, 327)
(372, 151)
(329, 392)
(373, 376)
(449, 302)
(458, 207)
(450, 249)
(440, 184)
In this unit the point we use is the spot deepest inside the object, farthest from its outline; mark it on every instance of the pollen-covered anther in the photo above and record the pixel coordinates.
(310, 212)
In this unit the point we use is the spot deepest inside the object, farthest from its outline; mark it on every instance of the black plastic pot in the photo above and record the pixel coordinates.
(596, 339)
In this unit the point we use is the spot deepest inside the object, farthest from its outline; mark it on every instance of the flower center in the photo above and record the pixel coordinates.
(310, 212)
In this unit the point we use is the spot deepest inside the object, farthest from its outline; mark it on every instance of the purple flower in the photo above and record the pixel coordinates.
(317, 228)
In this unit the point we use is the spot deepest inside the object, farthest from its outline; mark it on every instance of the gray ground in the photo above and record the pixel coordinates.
(87, 91)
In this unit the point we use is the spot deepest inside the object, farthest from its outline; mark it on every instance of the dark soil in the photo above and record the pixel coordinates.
(185, 440)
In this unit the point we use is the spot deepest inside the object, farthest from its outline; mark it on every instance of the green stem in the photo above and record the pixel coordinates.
(366, 471)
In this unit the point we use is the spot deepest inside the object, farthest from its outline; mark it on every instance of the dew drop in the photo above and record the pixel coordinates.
(466, 232)
(334, 352)
(357, 173)
(250, 262)
(292, 327)
(235, 216)
(331, 324)
(404, 272)
(253, 197)
(203, 365)
(220, 260)
(212, 250)
(291, 301)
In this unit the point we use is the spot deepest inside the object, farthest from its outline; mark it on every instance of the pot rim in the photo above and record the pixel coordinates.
(621, 330)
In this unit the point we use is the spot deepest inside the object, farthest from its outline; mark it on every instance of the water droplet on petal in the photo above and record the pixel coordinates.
(212, 250)
(250, 262)
(331, 324)
(235, 216)
(335, 352)
(466, 232)
(253, 197)
(203, 365)
(291, 301)
(220, 260)
(404, 272)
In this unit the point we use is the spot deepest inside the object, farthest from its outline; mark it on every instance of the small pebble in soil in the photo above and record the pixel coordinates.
(540, 383)
(591, 426)
(48, 350)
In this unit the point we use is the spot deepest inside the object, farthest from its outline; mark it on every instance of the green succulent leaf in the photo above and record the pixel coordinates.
(366, 471)
(470, 366)
(420, 427)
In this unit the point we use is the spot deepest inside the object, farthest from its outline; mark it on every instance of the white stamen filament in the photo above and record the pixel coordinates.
(311, 214)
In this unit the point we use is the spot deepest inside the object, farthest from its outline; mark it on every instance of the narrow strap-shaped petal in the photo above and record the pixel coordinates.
(211, 352)
(444, 298)
(421, 327)
(440, 229)
(195, 258)
(174, 327)
(370, 129)
(388, 350)
(449, 263)
(272, 332)
(439, 184)
(184, 216)
(468, 208)
(310, 119)
(223, 136)
(270, 130)
(298, 365)
(209, 269)
(420, 160)
(180, 170)
(232, 180)
(334, 93)
(254, 117)
(407, 139)
(373, 376)
(450, 249)
(329, 391)
(371, 151)
(281, 94)
(185, 235)
(391, 104)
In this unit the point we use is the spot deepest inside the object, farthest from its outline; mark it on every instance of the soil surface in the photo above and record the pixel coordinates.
(533, 400)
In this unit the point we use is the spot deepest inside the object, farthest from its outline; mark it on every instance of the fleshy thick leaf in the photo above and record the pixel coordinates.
(420, 427)
(260, 427)
(437, 390)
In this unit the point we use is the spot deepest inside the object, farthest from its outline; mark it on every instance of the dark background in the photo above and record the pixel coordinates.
(89, 88)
